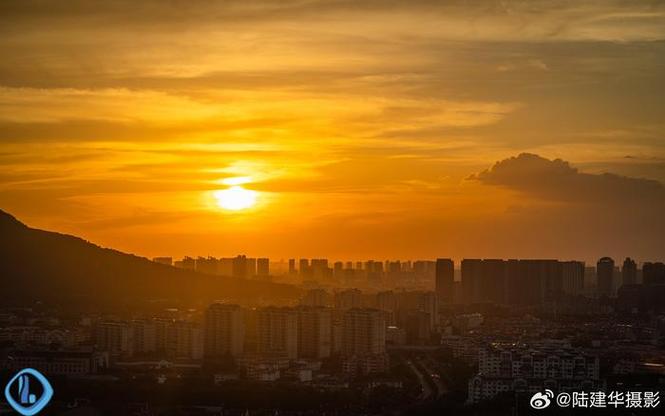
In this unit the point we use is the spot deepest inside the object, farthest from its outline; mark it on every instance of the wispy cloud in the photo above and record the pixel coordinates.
(340, 111)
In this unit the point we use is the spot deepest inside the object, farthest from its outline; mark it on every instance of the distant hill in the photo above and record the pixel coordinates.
(37, 265)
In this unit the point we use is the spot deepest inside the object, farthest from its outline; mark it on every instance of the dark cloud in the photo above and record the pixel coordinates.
(566, 212)
(558, 180)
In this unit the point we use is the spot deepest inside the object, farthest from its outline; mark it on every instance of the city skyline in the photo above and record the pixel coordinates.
(382, 129)
(332, 207)
(403, 260)
(118, 332)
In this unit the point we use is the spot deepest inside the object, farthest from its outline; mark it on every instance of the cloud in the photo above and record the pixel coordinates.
(124, 108)
(557, 180)
(614, 20)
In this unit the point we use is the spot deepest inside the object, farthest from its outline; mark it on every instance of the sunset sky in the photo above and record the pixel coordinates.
(368, 129)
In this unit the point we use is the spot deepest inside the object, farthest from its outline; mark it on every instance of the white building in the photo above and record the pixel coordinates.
(516, 368)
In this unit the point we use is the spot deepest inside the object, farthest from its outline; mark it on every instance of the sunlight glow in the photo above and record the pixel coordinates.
(235, 198)
(236, 180)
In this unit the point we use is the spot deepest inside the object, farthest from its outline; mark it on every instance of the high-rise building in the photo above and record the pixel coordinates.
(653, 273)
(424, 267)
(552, 283)
(206, 265)
(348, 299)
(444, 279)
(316, 297)
(224, 330)
(292, 267)
(572, 275)
(314, 332)
(225, 266)
(394, 267)
(378, 267)
(424, 302)
(605, 276)
(590, 277)
(319, 269)
(418, 327)
(114, 337)
(428, 303)
(521, 282)
(629, 272)
(304, 270)
(184, 340)
(240, 269)
(161, 334)
(144, 336)
(251, 267)
(262, 267)
(364, 342)
(516, 282)
(251, 317)
(278, 331)
(533, 282)
(364, 332)
(338, 270)
(374, 272)
(386, 301)
(471, 280)
(337, 330)
(492, 281)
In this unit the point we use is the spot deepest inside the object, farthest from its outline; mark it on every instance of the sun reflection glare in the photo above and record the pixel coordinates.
(235, 198)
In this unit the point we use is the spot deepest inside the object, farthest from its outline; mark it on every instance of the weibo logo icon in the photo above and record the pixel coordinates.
(541, 400)
(28, 392)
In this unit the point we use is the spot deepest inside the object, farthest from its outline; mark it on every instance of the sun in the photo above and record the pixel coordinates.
(235, 198)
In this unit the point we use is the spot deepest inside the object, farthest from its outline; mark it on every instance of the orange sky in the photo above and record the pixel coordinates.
(364, 127)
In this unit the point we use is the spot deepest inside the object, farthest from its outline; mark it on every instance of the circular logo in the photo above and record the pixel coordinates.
(22, 392)
(541, 400)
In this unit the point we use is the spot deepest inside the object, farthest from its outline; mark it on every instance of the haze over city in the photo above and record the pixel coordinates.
(332, 207)
(338, 129)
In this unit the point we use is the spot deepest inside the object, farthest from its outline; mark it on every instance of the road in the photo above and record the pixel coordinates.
(430, 368)
(425, 389)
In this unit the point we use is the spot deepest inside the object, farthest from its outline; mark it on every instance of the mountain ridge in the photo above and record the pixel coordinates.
(46, 266)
